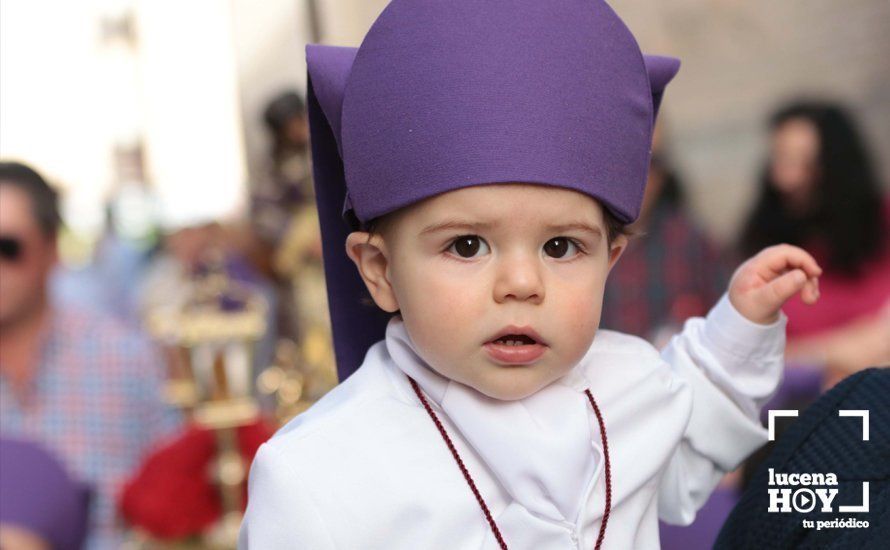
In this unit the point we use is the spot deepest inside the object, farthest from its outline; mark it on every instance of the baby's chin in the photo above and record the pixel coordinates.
(510, 383)
(508, 394)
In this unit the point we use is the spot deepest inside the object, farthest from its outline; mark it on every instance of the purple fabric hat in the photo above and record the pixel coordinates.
(445, 95)
(36, 494)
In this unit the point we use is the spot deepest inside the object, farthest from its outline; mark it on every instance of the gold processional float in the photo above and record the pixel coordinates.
(210, 341)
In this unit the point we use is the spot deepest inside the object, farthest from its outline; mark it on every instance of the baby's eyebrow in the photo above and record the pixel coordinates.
(449, 225)
(578, 226)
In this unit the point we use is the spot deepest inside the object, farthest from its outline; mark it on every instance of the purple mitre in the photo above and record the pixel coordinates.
(445, 95)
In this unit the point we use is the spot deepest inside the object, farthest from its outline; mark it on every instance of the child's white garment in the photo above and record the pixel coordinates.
(366, 467)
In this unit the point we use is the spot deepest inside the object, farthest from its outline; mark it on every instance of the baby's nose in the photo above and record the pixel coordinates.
(519, 278)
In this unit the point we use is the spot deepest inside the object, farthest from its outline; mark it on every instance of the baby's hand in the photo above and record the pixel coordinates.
(761, 285)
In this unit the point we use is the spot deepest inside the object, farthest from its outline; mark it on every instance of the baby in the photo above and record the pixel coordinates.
(494, 152)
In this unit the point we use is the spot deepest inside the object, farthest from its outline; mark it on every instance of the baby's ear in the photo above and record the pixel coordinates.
(368, 252)
(616, 249)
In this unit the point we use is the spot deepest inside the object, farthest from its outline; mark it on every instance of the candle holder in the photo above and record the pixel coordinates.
(209, 341)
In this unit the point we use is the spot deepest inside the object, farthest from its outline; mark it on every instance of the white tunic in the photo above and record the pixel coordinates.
(365, 467)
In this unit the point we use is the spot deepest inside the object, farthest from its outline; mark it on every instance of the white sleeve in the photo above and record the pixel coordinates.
(280, 513)
(733, 366)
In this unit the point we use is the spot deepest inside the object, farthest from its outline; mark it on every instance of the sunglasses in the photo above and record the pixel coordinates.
(10, 248)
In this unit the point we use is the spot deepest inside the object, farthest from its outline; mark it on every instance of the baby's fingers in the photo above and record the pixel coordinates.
(778, 259)
(810, 292)
(779, 290)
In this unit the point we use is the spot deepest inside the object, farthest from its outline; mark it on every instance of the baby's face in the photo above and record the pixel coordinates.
(471, 265)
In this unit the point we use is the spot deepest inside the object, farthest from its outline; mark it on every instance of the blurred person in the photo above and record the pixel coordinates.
(820, 191)
(289, 181)
(288, 125)
(283, 188)
(86, 388)
(41, 506)
(285, 220)
(670, 270)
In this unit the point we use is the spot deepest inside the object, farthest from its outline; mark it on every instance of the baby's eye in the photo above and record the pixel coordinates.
(560, 247)
(468, 246)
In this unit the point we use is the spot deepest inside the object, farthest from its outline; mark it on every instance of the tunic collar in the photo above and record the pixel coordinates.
(542, 449)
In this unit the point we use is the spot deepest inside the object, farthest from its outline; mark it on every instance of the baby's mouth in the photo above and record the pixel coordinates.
(515, 340)
(517, 336)
(513, 349)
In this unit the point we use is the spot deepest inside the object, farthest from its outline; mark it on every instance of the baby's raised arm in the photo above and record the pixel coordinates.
(732, 360)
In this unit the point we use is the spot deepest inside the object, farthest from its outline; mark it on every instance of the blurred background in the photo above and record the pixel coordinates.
(84, 83)
(175, 137)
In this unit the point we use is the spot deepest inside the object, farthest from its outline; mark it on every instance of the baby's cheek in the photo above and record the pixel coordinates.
(452, 300)
(582, 312)
(578, 320)
(442, 311)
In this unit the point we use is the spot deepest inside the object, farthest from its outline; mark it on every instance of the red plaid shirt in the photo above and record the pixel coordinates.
(666, 275)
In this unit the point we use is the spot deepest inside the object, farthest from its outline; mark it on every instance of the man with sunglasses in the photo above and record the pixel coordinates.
(72, 380)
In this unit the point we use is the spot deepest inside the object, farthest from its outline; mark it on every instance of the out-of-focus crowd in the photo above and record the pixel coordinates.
(83, 373)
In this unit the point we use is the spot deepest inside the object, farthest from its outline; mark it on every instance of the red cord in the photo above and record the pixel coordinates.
(460, 464)
(478, 495)
(608, 510)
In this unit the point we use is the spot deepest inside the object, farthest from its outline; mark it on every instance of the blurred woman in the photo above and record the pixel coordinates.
(819, 191)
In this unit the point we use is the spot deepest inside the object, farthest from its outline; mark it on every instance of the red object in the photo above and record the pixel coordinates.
(466, 473)
(173, 495)
(608, 464)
